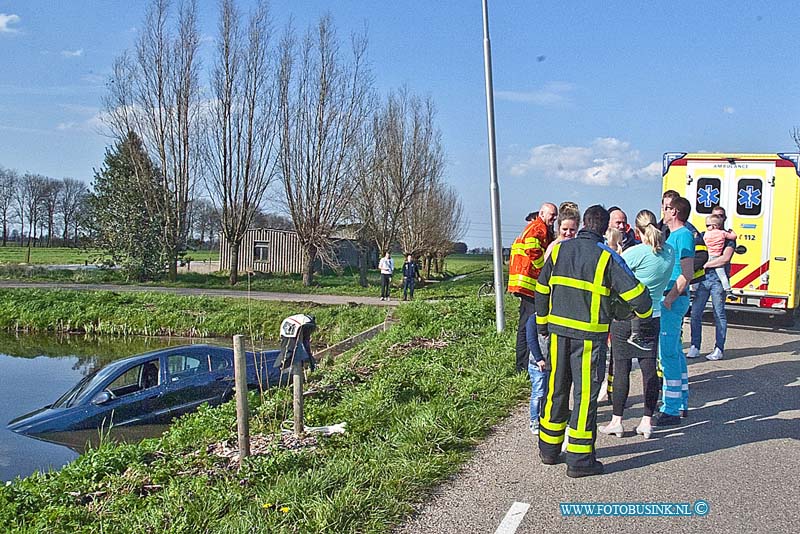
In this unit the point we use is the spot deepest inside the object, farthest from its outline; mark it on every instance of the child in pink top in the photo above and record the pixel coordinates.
(714, 238)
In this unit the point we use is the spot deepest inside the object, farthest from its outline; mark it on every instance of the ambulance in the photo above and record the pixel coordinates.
(761, 196)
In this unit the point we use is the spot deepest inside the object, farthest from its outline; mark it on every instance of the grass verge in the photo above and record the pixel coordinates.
(416, 400)
(159, 314)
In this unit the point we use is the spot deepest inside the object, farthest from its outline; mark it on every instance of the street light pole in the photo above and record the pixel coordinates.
(494, 189)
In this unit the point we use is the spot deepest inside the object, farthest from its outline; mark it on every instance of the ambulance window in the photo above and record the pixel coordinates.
(749, 196)
(708, 195)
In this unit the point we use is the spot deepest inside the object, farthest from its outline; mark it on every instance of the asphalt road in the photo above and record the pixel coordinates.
(739, 451)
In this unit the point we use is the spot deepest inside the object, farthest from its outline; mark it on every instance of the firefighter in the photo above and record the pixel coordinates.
(574, 295)
(527, 259)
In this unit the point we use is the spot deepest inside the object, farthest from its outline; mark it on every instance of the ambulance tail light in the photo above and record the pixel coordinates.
(772, 302)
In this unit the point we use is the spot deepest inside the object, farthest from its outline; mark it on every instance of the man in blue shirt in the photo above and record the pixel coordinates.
(711, 286)
(675, 390)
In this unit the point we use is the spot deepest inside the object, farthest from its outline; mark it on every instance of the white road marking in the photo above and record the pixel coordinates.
(513, 518)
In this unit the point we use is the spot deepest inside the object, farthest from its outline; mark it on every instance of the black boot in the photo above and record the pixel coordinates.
(578, 472)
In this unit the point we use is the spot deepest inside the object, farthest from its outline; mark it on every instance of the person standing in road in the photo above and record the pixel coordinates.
(410, 274)
(652, 263)
(527, 259)
(574, 295)
(675, 389)
(386, 266)
(711, 286)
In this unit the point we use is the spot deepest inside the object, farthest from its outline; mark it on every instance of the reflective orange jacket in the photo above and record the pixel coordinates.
(527, 258)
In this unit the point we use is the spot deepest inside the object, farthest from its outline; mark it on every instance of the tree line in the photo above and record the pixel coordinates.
(285, 117)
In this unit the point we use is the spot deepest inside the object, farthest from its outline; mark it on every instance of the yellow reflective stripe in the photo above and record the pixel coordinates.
(550, 439)
(633, 293)
(533, 241)
(548, 405)
(571, 447)
(599, 271)
(580, 434)
(538, 263)
(521, 280)
(543, 289)
(586, 385)
(578, 325)
(579, 284)
(526, 246)
(554, 252)
(700, 247)
(644, 315)
(554, 427)
(541, 319)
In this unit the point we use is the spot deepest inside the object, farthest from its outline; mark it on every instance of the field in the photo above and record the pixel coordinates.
(13, 254)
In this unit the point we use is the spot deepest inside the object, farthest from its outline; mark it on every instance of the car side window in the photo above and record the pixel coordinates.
(185, 365)
(136, 378)
(218, 361)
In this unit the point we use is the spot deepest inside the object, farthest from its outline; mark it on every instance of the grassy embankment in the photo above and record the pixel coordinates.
(156, 314)
(12, 253)
(416, 399)
(476, 267)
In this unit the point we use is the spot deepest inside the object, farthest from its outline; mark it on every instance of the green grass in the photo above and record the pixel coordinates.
(14, 254)
(158, 314)
(414, 413)
(346, 283)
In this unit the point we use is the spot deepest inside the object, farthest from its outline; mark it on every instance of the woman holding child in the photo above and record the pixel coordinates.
(651, 262)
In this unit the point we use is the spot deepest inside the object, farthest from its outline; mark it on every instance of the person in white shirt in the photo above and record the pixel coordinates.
(386, 266)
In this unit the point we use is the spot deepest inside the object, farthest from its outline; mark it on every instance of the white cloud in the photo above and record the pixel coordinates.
(72, 53)
(6, 21)
(607, 160)
(553, 93)
(729, 110)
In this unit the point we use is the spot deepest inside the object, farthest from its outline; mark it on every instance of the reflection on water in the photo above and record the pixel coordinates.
(35, 370)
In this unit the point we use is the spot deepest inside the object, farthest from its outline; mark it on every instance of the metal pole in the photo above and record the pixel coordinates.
(240, 383)
(494, 188)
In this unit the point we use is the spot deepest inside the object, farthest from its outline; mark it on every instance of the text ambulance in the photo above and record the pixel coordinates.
(761, 196)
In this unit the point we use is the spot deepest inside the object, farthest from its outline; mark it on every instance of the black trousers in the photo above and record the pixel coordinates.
(622, 387)
(526, 310)
(408, 287)
(386, 280)
(580, 363)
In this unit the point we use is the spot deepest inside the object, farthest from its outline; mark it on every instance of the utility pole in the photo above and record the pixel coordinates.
(494, 188)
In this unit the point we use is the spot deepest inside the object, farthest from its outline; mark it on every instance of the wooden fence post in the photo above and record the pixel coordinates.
(240, 383)
(297, 383)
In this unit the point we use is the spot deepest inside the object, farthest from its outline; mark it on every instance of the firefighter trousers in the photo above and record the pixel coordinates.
(582, 364)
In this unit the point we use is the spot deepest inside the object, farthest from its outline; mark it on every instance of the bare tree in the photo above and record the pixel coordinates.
(8, 186)
(28, 198)
(240, 143)
(71, 196)
(156, 95)
(323, 103)
(51, 199)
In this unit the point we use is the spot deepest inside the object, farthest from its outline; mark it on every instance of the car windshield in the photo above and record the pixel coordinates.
(83, 388)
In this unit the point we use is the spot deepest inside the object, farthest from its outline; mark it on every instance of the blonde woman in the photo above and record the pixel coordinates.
(651, 263)
(566, 225)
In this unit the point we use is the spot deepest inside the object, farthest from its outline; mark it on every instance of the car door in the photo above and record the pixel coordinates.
(190, 381)
(137, 397)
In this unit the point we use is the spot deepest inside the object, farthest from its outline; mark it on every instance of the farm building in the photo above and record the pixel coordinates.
(268, 250)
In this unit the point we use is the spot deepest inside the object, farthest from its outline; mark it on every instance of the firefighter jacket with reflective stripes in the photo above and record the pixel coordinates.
(527, 258)
(576, 287)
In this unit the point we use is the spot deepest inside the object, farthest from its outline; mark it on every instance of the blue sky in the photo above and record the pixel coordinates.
(588, 95)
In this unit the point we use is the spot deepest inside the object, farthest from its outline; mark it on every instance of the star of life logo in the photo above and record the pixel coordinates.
(708, 196)
(749, 197)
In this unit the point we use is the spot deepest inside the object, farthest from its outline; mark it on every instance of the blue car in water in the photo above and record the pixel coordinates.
(151, 388)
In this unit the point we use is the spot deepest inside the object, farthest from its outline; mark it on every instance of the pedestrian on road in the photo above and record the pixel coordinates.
(386, 266)
(527, 259)
(574, 293)
(675, 390)
(410, 275)
(536, 371)
(711, 286)
(652, 263)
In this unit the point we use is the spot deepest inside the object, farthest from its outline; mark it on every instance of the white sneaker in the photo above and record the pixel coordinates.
(693, 352)
(714, 356)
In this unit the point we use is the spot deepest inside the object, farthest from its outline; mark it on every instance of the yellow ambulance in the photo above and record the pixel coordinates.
(761, 196)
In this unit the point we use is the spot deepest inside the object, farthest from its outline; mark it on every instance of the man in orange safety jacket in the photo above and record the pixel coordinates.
(527, 259)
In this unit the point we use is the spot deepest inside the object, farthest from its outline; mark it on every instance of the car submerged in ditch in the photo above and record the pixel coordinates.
(148, 389)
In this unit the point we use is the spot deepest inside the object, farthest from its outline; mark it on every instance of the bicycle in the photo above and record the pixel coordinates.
(486, 289)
